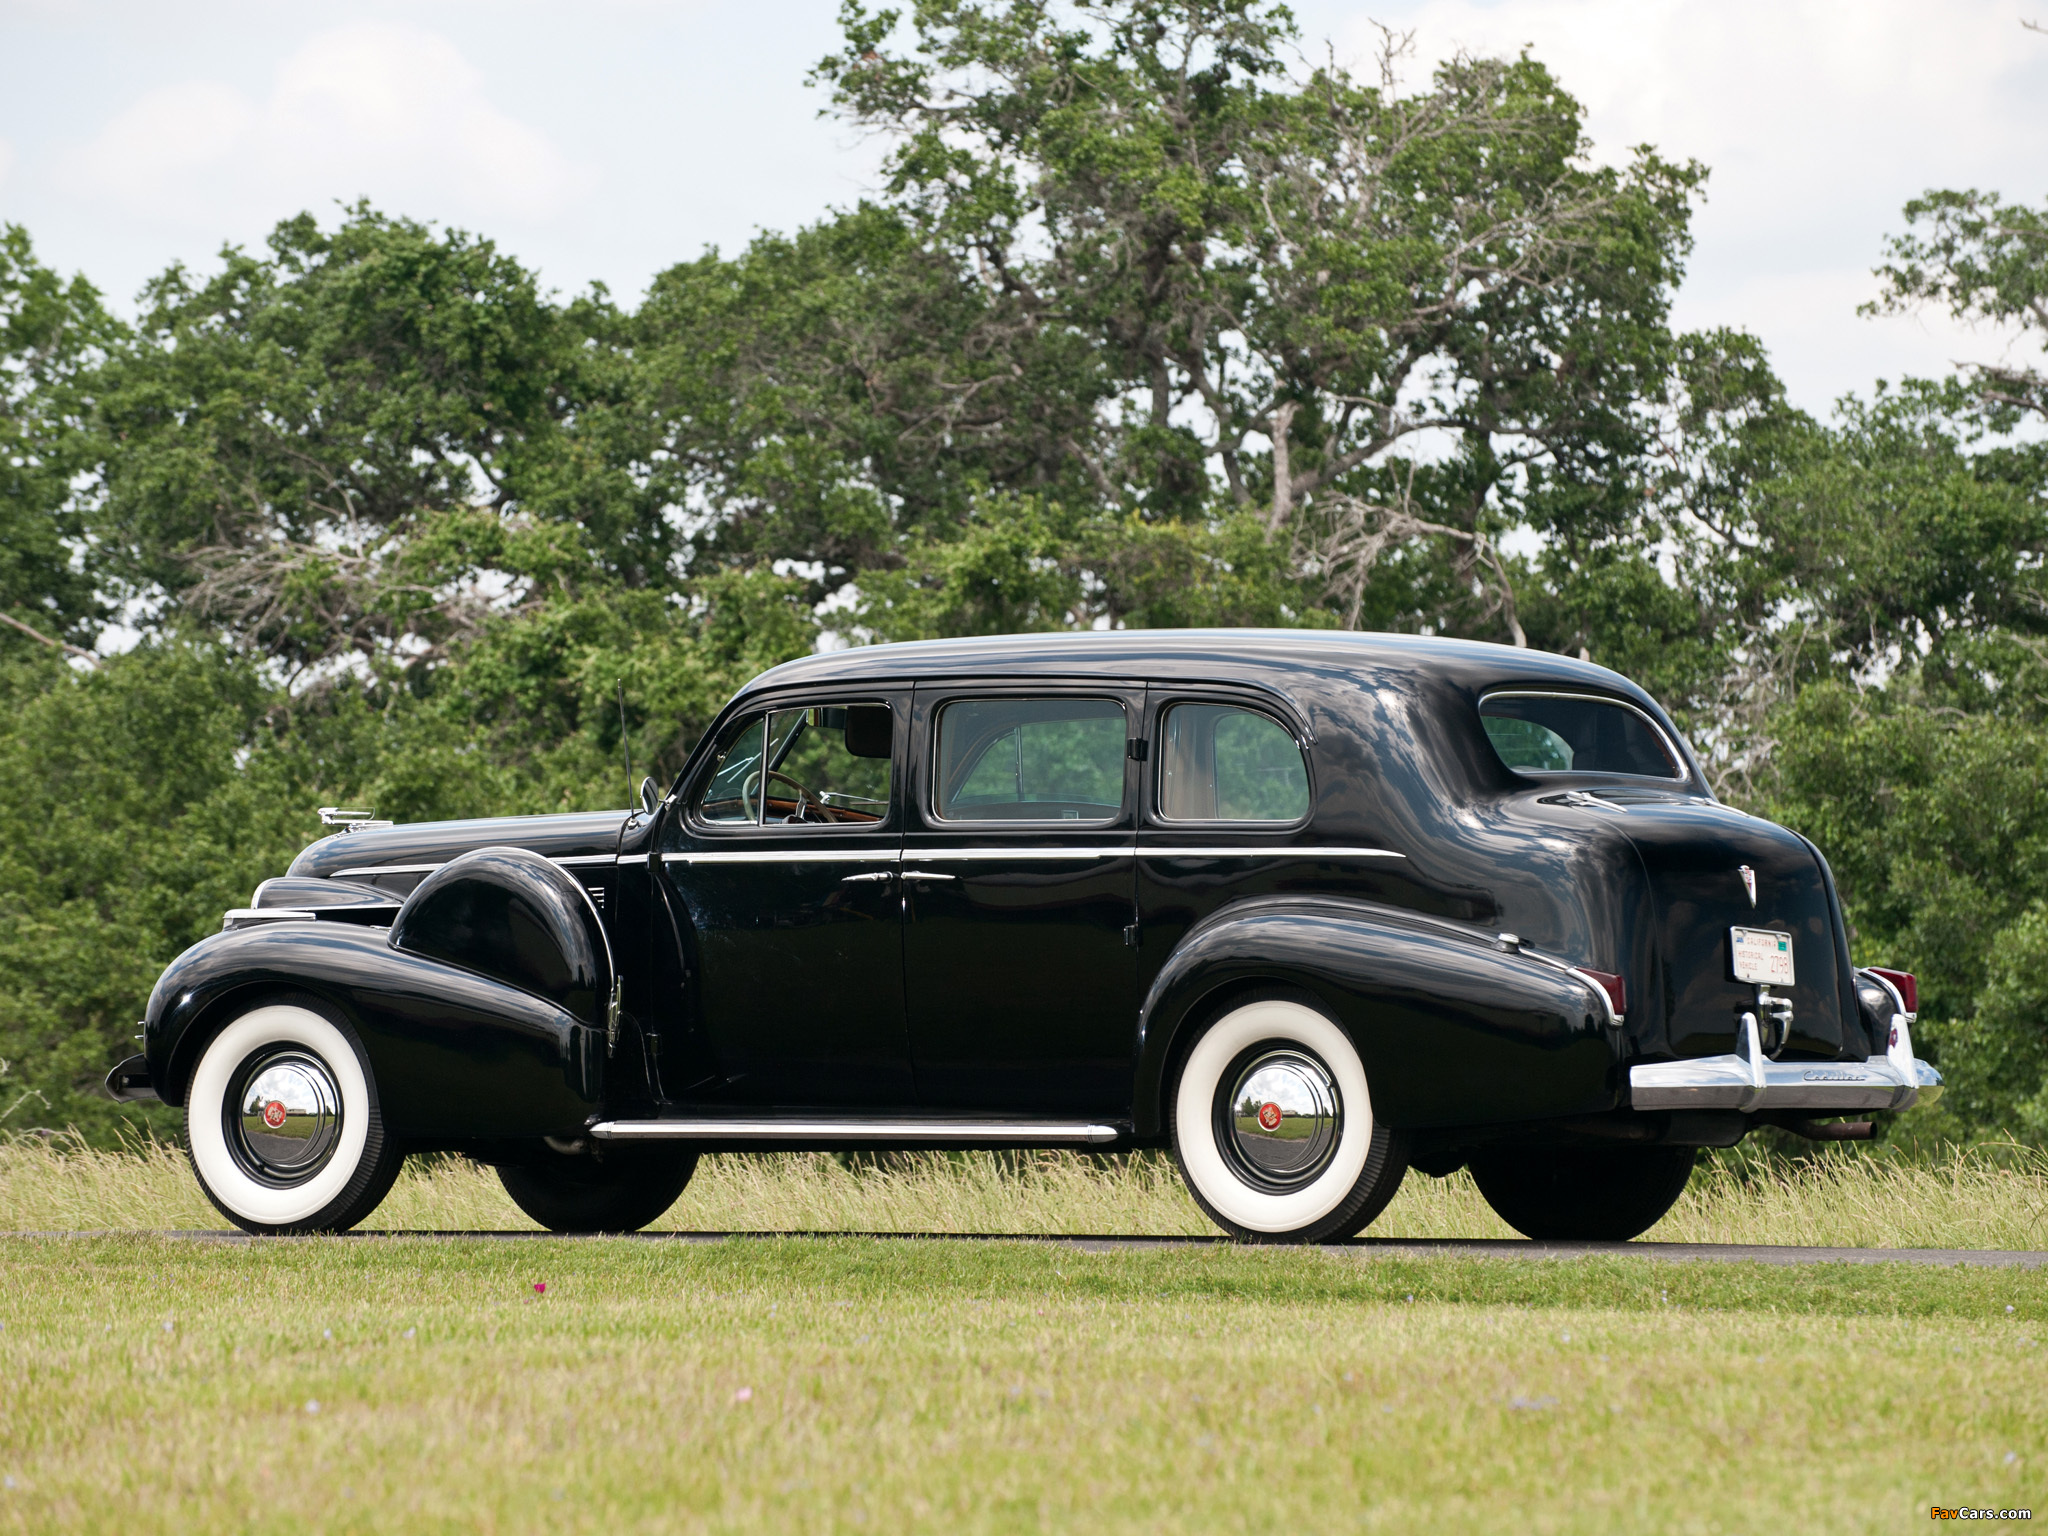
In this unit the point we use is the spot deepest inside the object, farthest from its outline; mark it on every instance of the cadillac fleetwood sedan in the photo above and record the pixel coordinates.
(1309, 909)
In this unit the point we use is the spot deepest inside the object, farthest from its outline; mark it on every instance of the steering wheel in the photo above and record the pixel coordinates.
(753, 784)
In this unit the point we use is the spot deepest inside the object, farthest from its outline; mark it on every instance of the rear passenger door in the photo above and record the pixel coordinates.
(1019, 897)
(1226, 813)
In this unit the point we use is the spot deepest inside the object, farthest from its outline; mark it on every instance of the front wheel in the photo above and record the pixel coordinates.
(1583, 1194)
(1273, 1126)
(282, 1123)
(621, 1189)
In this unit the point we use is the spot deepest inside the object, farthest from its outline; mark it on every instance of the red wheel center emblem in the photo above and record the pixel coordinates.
(273, 1114)
(1269, 1117)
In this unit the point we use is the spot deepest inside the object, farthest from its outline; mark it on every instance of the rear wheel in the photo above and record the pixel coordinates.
(1273, 1126)
(282, 1122)
(618, 1189)
(1587, 1194)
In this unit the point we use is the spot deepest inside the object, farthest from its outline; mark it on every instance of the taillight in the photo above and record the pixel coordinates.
(1903, 983)
(1615, 988)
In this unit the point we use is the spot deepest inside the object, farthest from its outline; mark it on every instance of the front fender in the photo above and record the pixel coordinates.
(455, 1053)
(1453, 1029)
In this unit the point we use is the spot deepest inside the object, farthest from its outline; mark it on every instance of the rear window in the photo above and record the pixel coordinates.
(1575, 733)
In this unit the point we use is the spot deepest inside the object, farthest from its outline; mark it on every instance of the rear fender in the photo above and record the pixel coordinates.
(1453, 1027)
(455, 1053)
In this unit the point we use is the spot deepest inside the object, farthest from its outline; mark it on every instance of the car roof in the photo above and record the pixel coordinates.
(1197, 655)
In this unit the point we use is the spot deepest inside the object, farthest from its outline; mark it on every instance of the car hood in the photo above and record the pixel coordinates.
(395, 858)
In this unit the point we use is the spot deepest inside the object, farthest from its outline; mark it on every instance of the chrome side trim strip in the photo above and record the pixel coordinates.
(786, 856)
(427, 869)
(1280, 851)
(988, 854)
(956, 855)
(249, 917)
(854, 1129)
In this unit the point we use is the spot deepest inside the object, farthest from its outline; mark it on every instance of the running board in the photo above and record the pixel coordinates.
(859, 1129)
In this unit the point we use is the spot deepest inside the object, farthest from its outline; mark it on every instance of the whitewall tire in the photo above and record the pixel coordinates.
(1272, 1122)
(282, 1123)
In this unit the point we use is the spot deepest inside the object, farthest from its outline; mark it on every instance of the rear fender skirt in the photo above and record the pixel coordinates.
(455, 1053)
(1453, 1028)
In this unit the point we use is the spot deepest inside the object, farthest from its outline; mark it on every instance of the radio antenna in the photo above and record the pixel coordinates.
(626, 746)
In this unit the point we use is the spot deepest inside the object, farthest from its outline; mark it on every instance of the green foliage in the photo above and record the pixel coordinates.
(347, 444)
(1936, 823)
(1151, 325)
(140, 801)
(1982, 259)
(1286, 283)
(50, 332)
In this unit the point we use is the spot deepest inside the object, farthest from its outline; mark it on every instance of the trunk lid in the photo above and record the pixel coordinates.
(1694, 853)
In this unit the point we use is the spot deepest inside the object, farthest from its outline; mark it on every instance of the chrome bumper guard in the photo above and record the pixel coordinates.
(1750, 1081)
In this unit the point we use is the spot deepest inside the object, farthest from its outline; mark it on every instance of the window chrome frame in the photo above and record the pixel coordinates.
(764, 708)
(1155, 792)
(1683, 768)
(933, 769)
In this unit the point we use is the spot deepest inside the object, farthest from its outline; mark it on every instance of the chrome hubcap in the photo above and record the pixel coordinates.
(1282, 1118)
(287, 1117)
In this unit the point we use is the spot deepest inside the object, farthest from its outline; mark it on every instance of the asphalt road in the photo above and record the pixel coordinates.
(1368, 1248)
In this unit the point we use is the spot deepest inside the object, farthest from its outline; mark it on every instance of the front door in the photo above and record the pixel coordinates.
(1019, 891)
(785, 863)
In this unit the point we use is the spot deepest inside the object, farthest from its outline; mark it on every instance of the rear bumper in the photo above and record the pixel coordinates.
(1818, 1087)
(1751, 1082)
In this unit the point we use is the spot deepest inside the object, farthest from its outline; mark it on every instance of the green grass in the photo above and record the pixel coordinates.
(834, 1384)
(847, 1383)
(1843, 1196)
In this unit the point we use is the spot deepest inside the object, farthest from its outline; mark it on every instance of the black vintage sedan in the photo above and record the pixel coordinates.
(1309, 909)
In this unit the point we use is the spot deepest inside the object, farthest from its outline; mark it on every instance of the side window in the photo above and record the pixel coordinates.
(823, 765)
(1222, 763)
(732, 793)
(1030, 760)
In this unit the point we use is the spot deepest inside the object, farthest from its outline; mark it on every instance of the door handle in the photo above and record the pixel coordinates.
(868, 879)
(921, 874)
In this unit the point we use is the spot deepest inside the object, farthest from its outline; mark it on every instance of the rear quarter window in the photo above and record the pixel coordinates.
(1576, 733)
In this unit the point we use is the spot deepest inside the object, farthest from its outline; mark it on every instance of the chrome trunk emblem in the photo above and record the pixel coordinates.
(1748, 882)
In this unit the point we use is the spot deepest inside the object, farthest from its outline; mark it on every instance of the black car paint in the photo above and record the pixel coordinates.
(455, 1054)
(1386, 902)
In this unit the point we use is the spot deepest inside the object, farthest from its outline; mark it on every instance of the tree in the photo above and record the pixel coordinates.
(51, 331)
(1981, 258)
(1380, 319)
(366, 443)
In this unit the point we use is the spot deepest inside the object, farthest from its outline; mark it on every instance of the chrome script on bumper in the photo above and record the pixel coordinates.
(1750, 1081)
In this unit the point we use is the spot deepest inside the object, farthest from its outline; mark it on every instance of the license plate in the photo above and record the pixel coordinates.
(1762, 955)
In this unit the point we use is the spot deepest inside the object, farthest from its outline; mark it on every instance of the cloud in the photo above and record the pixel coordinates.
(6, 160)
(1818, 119)
(389, 112)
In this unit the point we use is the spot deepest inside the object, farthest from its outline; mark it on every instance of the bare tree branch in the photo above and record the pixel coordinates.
(58, 645)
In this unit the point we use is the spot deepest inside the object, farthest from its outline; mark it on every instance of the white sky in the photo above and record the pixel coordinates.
(605, 141)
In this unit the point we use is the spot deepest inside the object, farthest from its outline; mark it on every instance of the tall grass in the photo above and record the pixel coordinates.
(1839, 1196)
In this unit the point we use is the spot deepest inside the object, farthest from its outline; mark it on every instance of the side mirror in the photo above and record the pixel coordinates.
(870, 730)
(650, 796)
